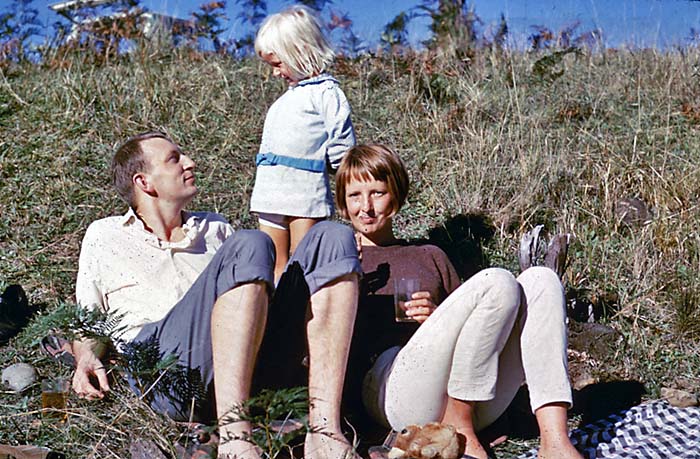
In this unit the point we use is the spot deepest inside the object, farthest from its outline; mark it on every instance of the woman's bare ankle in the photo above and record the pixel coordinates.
(474, 448)
(563, 450)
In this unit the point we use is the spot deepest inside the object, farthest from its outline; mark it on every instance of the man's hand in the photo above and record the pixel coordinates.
(420, 307)
(88, 365)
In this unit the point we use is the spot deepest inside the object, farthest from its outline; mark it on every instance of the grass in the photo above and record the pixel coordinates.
(509, 137)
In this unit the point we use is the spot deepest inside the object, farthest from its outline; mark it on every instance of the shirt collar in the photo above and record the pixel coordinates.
(130, 218)
(316, 80)
(189, 225)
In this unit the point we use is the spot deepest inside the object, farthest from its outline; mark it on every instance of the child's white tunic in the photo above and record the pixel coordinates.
(307, 130)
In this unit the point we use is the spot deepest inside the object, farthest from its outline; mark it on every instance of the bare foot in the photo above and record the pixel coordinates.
(235, 443)
(324, 445)
(239, 449)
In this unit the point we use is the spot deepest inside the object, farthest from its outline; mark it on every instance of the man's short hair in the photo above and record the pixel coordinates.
(372, 162)
(128, 161)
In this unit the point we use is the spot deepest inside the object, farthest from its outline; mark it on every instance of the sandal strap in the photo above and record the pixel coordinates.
(390, 439)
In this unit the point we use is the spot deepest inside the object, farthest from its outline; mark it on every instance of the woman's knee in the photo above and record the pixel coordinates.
(492, 288)
(540, 275)
(500, 281)
(541, 280)
(542, 288)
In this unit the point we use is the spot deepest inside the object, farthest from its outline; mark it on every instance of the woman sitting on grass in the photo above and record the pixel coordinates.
(471, 346)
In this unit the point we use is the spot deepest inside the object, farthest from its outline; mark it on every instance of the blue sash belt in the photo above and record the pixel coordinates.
(271, 159)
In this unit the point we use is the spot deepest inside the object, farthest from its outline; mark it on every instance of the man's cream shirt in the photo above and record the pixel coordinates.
(127, 270)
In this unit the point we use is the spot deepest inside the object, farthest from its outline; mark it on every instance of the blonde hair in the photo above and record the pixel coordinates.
(295, 36)
(372, 162)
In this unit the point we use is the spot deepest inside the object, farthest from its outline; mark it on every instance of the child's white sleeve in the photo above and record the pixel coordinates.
(336, 115)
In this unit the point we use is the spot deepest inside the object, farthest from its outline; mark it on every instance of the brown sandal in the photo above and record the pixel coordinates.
(59, 349)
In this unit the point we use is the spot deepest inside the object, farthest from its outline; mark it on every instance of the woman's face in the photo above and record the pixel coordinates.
(370, 206)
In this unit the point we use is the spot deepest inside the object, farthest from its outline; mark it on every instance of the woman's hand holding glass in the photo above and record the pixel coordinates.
(420, 307)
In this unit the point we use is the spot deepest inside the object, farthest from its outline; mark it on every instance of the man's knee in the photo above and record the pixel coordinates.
(250, 240)
(250, 246)
(335, 235)
(247, 256)
(327, 252)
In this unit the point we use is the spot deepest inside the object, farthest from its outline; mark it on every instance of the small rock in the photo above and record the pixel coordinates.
(599, 341)
(19, 376)
(580, 375)
(687, 384)
(145, 449)
(633, 212)
(679, 398)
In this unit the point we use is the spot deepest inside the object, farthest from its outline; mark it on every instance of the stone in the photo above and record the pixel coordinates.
(19, 376)
(145, 449)
(596, 340)
(633, 212)
(687, 384)
(679, 398)
(581, 370)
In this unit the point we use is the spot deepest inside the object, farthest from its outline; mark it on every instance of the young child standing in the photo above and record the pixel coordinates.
(306, 132)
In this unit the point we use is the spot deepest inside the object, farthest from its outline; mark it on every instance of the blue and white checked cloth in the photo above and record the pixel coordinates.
(654, 430)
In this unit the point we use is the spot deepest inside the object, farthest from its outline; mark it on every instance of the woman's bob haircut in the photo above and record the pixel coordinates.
(372, 162)
(295, 36)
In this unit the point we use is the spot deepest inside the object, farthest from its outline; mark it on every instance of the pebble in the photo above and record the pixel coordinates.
(19, 376)
(679, 398)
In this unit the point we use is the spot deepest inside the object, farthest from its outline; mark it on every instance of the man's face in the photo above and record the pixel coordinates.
(170, 173)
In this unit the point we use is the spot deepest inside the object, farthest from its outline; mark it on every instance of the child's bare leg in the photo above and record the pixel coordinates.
(298, 227)
(460, 414)
(280, 238)
(554, 433)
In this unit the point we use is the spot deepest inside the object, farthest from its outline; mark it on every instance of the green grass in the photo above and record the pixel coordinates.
(489, 137)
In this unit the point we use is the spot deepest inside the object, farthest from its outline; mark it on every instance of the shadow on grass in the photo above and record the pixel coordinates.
(462, 238)
(593, 402)
(600, 400)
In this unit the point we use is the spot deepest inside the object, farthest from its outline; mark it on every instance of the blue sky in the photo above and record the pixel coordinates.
(634, 22)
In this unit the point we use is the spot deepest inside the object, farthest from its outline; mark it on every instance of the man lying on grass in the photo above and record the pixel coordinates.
(188, 283)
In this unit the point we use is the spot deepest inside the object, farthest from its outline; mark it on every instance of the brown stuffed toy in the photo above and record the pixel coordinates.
(431, 441)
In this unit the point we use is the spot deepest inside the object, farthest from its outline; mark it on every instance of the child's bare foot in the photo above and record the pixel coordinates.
(324, 445)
